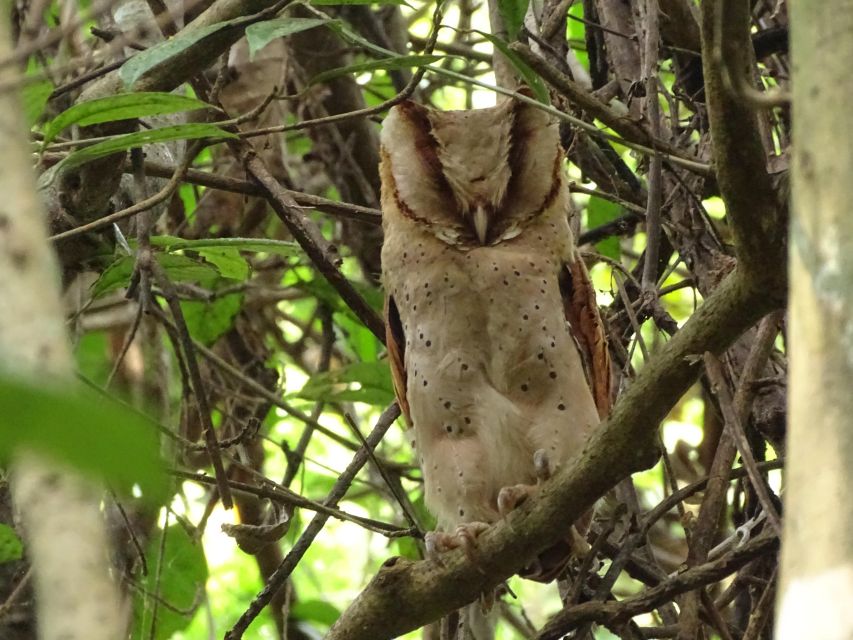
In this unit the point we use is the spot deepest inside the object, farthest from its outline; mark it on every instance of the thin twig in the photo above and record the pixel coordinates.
(735, 426)
(689, 580)
(188, 348)
(282, 573)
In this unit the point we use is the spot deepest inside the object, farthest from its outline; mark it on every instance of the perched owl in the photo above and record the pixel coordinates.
(494, 338)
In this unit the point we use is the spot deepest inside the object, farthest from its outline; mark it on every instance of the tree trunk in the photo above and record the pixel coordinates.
(817, 566)
(66, 540)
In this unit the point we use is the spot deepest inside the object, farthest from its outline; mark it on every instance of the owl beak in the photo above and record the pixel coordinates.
(481, 223)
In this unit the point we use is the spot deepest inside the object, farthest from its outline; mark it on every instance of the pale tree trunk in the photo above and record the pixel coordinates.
(817, 561)
(66, 540)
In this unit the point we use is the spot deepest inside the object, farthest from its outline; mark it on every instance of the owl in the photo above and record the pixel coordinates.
(496, 347)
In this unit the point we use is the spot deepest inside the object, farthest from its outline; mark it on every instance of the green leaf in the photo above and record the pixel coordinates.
(407, 548)
(179, 269)
(35, 96)
(11, 548)
(260, 34)
(89, 432)
(143, 61)
(368, 382)
(124, 106)
(598, 212)
(513, 12)
(192, 131)
(178, 585)
(397, 62)
(530, 77)
(207, 321)
(258, 245)
(315, 611)
(229, 262)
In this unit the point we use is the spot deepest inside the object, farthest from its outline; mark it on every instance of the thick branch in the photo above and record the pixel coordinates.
(625, 443)
(751, 202)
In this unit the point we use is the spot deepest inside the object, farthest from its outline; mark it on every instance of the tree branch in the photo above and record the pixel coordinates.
(625, 443)
(739, 157)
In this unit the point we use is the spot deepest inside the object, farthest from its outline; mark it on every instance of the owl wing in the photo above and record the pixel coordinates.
(395, 341)
(581, 311)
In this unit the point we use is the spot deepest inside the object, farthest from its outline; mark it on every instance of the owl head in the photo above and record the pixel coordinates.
(474, 177)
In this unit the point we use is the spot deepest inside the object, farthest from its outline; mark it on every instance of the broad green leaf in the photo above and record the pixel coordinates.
(229, 262)
(530, 77)
(260, 34)
(89, 432)
(598, 212)
(513, 12)
(207, 321)
(120, 107)
(315, 611)
(368, 382)
(176, 590)
(91, 354)
(143, 61)
(397, 62)
(35, 96)
(192, 131)
(11, 547)
(179, 269)
(361, 341)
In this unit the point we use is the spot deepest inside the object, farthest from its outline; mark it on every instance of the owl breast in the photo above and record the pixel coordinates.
(492, 371)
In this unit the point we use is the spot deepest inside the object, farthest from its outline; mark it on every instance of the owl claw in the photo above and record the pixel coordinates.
(464, 537)
(541, 465)
(510, 497)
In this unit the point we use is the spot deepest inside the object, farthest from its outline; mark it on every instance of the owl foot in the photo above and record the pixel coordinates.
(464, 537)
(510, 497)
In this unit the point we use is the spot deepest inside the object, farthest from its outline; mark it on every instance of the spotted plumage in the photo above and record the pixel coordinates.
(487, 302)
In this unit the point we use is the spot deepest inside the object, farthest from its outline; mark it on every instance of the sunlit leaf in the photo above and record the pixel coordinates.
(368, 382)
(260, 34)
(35, 97)
(143, 61)
(315, 611)
(191, 131)
(598, 212)
(120, 107)
(174, 591)
(89, 432)
(229, 262)
(11, 547)
(207, 321)
(179, 269)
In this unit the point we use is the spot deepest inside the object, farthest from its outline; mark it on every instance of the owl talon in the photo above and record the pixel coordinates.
(464, 537)
(510, 497)
(541, 465)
